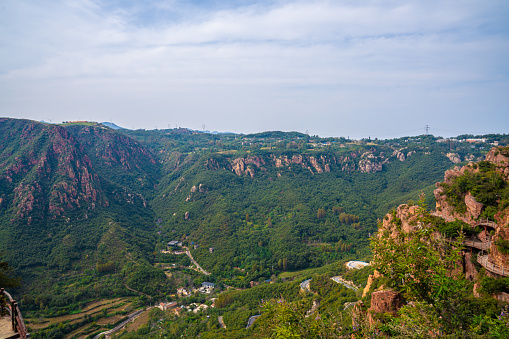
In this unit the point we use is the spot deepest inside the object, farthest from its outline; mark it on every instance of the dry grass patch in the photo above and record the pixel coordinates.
(138, 322)
(92, 308)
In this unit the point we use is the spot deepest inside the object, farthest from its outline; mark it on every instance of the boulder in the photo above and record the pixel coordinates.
(386, 301)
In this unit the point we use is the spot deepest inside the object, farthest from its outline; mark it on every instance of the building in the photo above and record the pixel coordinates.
(182, 291)
(167, 306)
(207, 287)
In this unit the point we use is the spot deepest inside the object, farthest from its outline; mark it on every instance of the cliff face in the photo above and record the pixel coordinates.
(498, 159)
(487, 180)
(370, 161)
(46, 170)
(470, 194)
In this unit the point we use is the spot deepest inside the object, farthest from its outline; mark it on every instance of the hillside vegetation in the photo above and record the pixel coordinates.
(85, 210)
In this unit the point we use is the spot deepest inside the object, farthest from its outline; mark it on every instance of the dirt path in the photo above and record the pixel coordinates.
(132, 289)
(194, 261)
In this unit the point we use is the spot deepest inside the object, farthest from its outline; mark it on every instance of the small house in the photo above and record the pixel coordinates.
(207, 286)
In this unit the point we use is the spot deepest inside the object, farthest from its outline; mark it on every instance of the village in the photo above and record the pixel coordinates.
(176, 247)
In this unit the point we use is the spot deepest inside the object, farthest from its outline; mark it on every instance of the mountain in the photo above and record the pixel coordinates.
(68, 197)
(85, 205)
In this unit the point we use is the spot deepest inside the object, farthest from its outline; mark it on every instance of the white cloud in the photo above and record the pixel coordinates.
(279, 64)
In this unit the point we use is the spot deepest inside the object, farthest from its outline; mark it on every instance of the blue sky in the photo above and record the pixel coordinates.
(333, 68)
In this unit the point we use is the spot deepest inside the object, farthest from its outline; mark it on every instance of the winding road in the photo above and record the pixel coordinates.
(304, 286)
(338, 279)
(251, 320)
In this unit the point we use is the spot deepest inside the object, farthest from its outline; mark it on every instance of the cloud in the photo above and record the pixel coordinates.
(278, 64)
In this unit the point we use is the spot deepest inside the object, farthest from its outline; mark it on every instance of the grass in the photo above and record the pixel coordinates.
(136, 324)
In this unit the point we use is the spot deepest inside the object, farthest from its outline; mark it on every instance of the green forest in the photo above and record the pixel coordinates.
(86, 211)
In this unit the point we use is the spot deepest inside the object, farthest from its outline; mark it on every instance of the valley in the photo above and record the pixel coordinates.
(87, 215)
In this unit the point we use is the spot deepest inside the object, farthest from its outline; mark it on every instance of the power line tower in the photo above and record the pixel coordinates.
(427, 130)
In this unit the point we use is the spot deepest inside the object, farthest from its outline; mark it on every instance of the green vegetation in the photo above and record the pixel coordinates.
(6, 275)
(86, 211)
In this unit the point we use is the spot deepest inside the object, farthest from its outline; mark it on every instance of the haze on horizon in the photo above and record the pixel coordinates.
(333, 68)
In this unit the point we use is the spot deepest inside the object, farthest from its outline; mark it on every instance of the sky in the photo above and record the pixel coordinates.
(352, 68)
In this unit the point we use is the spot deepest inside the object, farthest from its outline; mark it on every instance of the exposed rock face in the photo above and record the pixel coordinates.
(500, 157)
(446, 210)
(241, 165)
(366, 162)
(406, 214)
(371, 279)
(386, 301)
(454, 157)
(368, 166)
(59, 156)
(399, 155)
(495, 256)
(315, 164)
(474, 208)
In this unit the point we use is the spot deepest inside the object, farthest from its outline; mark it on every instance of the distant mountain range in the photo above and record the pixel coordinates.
(111, 125)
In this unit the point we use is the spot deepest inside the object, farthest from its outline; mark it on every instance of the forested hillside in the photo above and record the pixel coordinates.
(86, 206)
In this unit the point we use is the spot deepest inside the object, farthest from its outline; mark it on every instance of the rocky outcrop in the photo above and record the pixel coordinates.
(51, 153)
(386, 301)
(448, 211)
(369, 284)
(241, 166)
(474, 208)
(454, 157)
(369, 166)
(500, 158)
(399, 155)
(405, 215)
(495, 255)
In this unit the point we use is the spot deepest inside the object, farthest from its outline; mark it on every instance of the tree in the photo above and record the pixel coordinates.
(6, 278)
